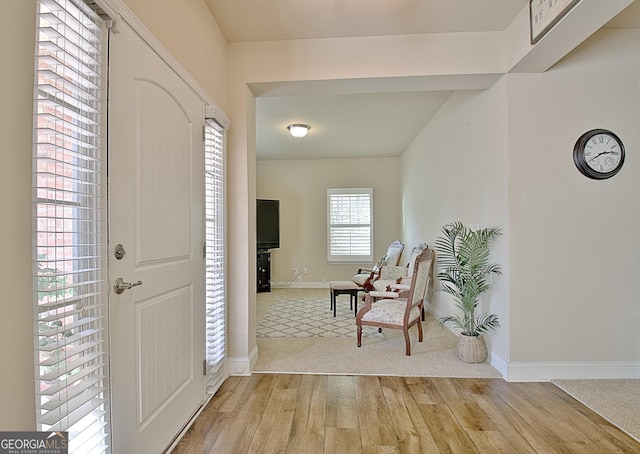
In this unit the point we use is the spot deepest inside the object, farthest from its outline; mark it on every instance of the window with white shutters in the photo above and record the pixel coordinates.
(70, 288)
(215, 254)
(350, 226)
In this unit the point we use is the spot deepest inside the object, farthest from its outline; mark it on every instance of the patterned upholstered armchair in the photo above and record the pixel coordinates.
(389, 275)
(365, 276)
(399, 310)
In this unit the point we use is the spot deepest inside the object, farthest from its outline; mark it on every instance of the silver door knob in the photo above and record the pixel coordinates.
(120, 285)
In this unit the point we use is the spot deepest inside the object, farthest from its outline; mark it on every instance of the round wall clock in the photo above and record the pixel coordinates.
(598, 154)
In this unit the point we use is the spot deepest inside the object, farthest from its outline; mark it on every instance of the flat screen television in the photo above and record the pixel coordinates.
(268, 224)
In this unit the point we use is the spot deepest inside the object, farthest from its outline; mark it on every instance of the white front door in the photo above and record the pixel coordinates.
(155, 213)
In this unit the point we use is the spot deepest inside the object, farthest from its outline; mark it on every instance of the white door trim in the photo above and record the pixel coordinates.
(117, 9)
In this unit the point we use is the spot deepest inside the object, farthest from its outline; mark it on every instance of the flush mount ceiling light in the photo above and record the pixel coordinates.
(298, 130)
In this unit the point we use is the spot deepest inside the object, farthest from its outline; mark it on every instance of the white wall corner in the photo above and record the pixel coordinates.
(243, 365)
(499, 364)
(496, 361)
(548, 371)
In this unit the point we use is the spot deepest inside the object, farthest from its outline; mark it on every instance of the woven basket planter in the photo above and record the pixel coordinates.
(471, 349)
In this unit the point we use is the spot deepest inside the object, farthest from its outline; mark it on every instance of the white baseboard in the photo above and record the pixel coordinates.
(499, 364)
(242, 366)
(548, 371)
(303, 284)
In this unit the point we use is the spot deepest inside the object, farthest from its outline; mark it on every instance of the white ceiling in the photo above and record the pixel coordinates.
(355, 125)
(366, 123)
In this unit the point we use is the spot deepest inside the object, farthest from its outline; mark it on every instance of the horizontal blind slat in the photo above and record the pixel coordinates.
(350, 223)
(69, 241)
(215, 255)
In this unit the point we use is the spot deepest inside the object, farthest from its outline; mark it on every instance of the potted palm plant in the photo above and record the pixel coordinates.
(463, 256)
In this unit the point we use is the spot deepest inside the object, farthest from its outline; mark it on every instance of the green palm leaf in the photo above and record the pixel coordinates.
(463, 256)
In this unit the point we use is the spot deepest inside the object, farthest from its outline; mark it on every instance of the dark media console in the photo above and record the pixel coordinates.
(264, 271)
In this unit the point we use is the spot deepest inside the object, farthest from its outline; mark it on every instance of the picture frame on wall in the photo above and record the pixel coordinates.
(545, 14)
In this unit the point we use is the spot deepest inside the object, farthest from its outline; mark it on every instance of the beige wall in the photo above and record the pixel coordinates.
(568, 298)
(301, 186)
(17, 386)
(575, 253)
(456, 170)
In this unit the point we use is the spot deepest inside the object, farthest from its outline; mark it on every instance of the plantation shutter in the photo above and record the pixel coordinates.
(215, 255)
(70, 288)
(350, 229)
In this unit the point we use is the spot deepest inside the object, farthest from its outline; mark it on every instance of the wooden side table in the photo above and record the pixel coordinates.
(344, 288)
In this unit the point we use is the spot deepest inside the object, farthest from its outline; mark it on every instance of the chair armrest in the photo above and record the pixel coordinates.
(365, 270)
(368, 299)
(400, 287)
(375, 274)
(379, 294)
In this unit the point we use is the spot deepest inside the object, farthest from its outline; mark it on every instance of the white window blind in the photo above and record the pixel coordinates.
(215, 255)
(350, 229)
(70, 287)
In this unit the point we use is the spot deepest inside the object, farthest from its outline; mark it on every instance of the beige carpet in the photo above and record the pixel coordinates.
(616, 400)
(379, 355)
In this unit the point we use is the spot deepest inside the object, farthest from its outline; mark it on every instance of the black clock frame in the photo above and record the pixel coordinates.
(581, 163)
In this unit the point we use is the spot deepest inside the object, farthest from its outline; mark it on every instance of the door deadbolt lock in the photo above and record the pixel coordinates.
(119, 251)
(120, 285)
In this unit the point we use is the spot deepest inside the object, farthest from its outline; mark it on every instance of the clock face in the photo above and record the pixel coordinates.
(602, 153)
(599, 154)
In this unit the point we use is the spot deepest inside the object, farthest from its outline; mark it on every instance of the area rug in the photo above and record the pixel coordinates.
(298, 317)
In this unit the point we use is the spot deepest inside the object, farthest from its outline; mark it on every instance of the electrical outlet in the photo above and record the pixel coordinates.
(304, 270)
(295, 271)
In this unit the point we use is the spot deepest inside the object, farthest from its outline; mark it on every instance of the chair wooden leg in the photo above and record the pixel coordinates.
(359, 335)
(419, 331)
(407, 341)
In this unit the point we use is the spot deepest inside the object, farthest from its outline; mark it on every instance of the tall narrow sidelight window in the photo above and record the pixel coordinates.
(70, 289)
(350, 225)
(215, 254)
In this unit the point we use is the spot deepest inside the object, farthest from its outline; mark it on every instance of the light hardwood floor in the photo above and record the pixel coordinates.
(287, 413)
